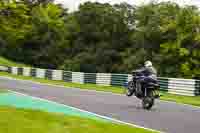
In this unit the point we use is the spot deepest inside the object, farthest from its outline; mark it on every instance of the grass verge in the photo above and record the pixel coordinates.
(190, 100)
(14, 120)
(2, 91)
(6, 62)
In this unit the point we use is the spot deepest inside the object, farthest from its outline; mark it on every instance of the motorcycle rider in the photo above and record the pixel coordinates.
(149, 74)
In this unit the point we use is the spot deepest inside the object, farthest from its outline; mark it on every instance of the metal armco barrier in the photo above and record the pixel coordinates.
(189, 87)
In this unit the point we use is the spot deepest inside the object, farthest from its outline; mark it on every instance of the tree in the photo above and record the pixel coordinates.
(102, 37)
(106, 33)
(37, 2)
(46, 43)
(14, 26)
(183, 51)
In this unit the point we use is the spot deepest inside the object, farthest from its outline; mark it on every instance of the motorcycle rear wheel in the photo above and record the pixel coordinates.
(147, 103)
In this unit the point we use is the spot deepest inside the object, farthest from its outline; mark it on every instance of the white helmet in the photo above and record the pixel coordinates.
(148, 64)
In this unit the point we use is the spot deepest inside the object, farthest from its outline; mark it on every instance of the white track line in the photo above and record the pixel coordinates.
(100, 116)
(111, 93)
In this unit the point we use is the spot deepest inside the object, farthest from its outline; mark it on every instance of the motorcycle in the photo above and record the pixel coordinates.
(147, 92)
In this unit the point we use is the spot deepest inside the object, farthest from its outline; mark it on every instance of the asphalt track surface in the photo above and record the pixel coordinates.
(165, 116)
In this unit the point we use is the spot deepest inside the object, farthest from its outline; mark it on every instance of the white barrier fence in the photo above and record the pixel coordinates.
(189, 87)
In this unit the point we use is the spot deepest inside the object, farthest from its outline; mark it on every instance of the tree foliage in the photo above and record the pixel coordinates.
(102, 37)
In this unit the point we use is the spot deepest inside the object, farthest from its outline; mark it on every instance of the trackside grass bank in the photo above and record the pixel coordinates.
(2, 91)
(15, 120)
(190, 100)
(6, 62)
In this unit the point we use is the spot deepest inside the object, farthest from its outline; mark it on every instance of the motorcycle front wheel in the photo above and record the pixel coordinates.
(130, 89)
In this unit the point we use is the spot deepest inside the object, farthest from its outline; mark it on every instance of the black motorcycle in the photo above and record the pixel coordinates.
(147, 92)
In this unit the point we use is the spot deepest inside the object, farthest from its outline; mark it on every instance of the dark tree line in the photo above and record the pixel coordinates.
(102, 37)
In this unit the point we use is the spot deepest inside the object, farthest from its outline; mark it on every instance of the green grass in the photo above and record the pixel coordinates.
(2, 91)
(6, 62)
(14, 120)
(190, 100)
